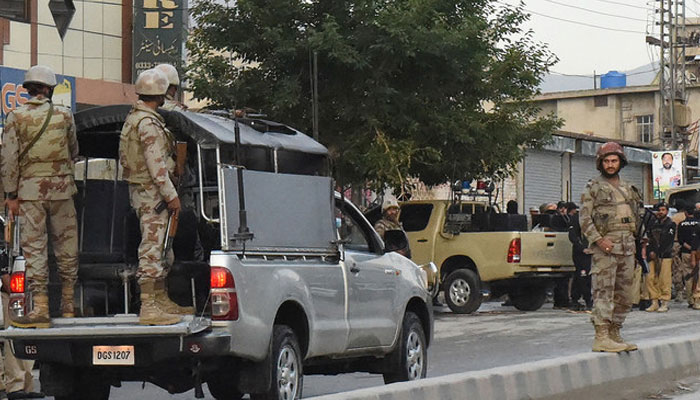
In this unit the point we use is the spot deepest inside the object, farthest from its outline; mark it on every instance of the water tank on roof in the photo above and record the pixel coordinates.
(613, 79)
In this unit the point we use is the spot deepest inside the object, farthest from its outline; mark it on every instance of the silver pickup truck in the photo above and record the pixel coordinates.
(286, 277)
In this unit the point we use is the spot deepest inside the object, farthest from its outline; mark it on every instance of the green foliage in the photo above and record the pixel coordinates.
(435, 89)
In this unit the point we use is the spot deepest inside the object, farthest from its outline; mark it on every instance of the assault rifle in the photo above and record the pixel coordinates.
(641, 231)
(171, 227)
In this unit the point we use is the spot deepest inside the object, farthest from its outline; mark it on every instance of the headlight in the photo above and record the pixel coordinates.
(430, 273)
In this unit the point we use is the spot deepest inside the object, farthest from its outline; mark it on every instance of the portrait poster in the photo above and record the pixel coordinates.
(667, 171)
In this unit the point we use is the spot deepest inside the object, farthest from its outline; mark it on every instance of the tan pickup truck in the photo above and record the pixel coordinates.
(481, 252)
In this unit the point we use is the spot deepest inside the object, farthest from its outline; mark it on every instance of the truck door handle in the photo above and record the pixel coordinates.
(422, 240)
(355, 269)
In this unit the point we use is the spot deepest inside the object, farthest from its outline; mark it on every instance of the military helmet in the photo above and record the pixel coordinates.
(608, 149)
(40, 74)
(152, 82)
(170, 72)
(388, 203)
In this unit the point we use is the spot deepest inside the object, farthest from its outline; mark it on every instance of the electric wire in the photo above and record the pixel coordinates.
(596, 11)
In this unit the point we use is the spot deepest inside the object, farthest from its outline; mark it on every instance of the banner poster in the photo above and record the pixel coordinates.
(14, 94)
(160, 28)
(667, 171)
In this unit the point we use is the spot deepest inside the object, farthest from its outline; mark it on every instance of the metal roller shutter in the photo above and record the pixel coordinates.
(634, 174)
(542, 178)
(582, 169)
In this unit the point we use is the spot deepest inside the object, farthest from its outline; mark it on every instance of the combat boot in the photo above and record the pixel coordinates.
(164, 303)
(603, 342)
(150, 313)
(653, 307)
(614, 333)
(67, 300)
(663, 307)
(38, 317)
(696, 305)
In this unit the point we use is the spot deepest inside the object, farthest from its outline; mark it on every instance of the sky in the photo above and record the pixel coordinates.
(615, 42)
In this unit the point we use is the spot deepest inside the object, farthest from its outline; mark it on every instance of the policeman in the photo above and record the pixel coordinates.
(146, 150)
(39, 147)
(609, 220)
(686, 241)
(660, 255)
(173, 85)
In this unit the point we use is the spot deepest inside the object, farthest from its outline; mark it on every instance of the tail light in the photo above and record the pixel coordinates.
(514, 251)
(224, 299)
(17, 282)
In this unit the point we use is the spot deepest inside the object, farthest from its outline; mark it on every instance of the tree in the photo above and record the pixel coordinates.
(434, 89)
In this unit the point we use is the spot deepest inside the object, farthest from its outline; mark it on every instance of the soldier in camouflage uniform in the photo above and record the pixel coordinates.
(609, 218)
(390, 222)
(171, 104)
(146, 151)
(38, 179)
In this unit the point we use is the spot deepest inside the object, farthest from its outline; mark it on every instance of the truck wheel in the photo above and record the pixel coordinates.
(409, 361)
(529, 300)
(287, 372)
(463, 291)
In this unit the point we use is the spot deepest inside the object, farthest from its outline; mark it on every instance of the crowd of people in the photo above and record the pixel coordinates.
(671, 247)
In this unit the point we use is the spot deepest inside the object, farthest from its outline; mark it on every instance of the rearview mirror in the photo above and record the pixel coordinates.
(397, 241)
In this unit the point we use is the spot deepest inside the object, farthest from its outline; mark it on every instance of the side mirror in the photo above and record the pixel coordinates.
(396, 240)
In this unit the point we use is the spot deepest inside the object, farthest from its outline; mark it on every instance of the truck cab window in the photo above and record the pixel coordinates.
(415, 217)
(351, 231)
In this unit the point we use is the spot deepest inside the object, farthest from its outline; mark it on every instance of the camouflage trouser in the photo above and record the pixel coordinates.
(637, 284)
(659, 279)
(40, 220)
(689, 281)
(677, 269)
(151, 264)
(612, 283)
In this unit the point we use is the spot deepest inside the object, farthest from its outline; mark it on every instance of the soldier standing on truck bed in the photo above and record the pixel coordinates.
(609, 218)
(39, 147)
(171, 103)
(146, 150)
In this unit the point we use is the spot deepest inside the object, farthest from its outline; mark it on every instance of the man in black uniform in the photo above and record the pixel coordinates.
(581, 286)
(660, 256)
(686, 239)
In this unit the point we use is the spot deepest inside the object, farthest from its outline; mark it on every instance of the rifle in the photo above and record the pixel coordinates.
(641, 231)
(171, 227)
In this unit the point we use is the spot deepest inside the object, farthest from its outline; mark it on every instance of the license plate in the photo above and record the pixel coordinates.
(113, 355)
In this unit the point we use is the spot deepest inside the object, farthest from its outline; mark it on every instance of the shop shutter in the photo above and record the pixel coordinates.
(542, 183)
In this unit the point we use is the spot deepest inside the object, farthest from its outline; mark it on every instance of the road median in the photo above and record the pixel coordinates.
(652, 368)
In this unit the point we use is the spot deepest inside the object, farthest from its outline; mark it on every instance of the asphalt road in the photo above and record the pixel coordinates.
(494, 336)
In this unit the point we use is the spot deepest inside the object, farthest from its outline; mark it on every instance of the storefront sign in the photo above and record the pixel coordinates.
(14, 94)
(159, 33)
(667, 171)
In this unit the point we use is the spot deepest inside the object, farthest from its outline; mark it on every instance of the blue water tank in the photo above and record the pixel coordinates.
(613, 79)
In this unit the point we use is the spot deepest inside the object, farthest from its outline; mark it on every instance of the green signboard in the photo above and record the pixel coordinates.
(160, 28)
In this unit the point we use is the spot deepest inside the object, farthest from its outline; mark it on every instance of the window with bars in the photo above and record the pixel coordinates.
(16, 10)
(645, 128)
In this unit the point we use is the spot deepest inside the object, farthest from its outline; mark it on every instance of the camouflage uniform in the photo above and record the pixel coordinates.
(146, 152)
(43, 180)
(384, 225)
(610, 212)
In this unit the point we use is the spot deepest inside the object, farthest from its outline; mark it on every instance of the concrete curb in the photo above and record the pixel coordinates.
(585, 375)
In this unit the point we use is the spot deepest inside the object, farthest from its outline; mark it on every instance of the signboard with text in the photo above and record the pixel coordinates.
(14, 94)
(667, 171)
(159, 33)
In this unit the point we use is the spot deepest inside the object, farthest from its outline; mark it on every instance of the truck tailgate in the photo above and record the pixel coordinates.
(104, 327)
(545, 249)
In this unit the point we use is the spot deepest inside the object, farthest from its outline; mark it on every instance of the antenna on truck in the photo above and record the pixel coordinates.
(244, 234)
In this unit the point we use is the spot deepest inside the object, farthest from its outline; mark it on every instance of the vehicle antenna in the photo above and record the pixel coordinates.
(244, 234)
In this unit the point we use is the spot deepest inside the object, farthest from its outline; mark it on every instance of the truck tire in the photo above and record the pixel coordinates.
(88, 385)
(409, 361)
(463, 291)
(529, 300)
(287, 370)
(224, 389)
